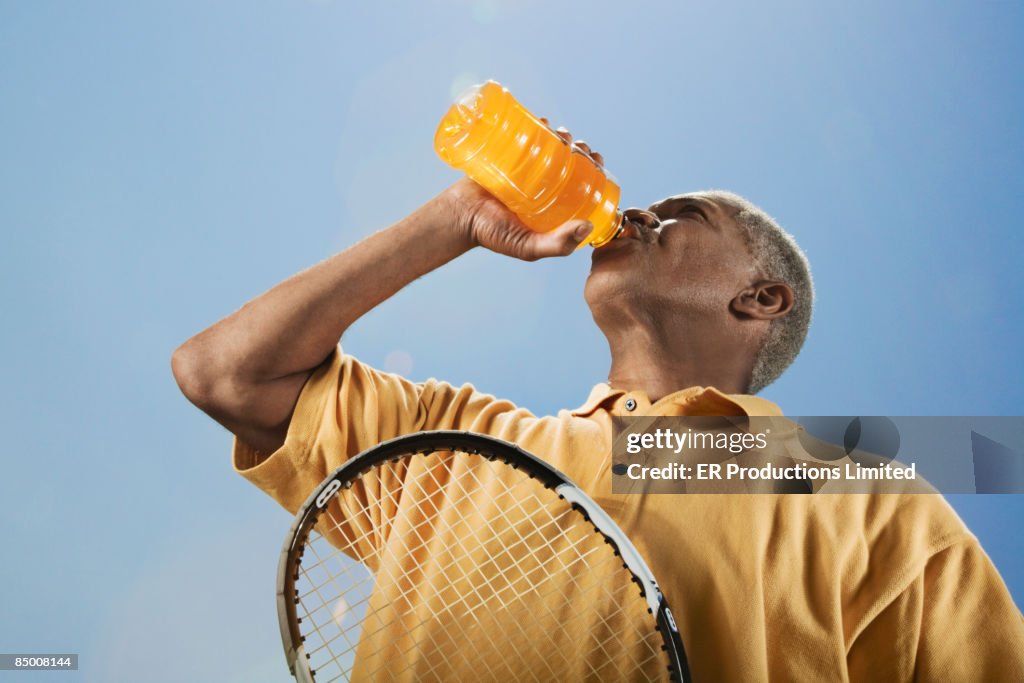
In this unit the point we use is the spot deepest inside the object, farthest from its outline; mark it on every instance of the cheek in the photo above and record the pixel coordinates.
(694, 257)
(704, 266)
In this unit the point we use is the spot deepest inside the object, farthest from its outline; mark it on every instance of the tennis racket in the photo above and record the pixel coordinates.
(452, 556)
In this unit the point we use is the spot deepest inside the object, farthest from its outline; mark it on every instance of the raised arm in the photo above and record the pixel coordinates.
(246, 371)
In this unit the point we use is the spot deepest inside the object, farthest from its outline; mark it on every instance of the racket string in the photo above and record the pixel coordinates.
(316, 626)
(444, 569)
(542, 603)
(524, 584)
(455, 606)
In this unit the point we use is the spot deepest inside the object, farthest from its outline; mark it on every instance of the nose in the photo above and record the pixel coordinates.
(642, 216)
(640, 224)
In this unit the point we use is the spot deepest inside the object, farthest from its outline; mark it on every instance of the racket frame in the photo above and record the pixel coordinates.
(491, 448)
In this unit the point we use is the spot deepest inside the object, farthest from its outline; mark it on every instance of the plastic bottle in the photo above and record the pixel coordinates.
(516, 157)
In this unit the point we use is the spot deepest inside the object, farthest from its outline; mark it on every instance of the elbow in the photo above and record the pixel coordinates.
(240, 406)
(193, 374)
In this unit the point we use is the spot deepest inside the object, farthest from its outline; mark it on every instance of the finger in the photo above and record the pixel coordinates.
(563, 240)
(585, 148)
(544, 120)
(564, 134)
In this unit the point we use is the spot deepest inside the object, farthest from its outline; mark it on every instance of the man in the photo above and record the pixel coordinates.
(703, 300)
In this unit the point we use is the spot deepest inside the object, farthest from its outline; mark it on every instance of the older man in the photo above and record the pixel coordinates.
(704, 300)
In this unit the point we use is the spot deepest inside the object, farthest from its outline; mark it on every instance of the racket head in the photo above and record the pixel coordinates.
(333, 568)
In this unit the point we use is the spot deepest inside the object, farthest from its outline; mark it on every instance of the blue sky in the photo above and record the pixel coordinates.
(162, 164)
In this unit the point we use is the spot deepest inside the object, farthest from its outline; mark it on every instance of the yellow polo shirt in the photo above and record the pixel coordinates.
(839, 587)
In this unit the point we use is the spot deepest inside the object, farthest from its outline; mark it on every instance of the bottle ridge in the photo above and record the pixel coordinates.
(515, 156)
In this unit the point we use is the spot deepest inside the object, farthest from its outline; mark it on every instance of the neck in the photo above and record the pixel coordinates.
(661, 359)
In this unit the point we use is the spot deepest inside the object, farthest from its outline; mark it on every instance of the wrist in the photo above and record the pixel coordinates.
(456, 206)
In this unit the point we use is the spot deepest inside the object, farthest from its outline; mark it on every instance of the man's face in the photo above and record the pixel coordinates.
(692, 258)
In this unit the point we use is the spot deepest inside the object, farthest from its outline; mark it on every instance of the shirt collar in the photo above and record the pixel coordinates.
(691, 401)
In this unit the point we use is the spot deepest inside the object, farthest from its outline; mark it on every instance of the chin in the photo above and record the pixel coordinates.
(604, 283)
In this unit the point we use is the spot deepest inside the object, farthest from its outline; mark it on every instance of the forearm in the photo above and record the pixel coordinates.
(294, 326)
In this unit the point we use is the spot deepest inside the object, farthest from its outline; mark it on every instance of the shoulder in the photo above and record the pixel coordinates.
(881, 545)
(897, 532)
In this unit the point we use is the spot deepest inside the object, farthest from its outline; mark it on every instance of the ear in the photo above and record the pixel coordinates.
(766, 300)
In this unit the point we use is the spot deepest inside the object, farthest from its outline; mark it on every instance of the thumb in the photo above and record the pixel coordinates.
(565, 239)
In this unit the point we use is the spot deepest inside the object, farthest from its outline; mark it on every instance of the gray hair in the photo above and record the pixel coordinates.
(778, 257)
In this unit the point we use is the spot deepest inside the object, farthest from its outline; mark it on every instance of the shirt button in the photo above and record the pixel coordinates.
(630, 404)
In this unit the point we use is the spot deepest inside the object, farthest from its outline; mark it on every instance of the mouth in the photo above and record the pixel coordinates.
(631, 232)
(628, 242)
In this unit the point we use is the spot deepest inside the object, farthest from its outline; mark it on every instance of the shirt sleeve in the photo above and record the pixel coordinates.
(955, 621)
(346, 407)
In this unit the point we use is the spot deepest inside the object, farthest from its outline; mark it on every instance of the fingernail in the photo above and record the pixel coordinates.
(583, 230)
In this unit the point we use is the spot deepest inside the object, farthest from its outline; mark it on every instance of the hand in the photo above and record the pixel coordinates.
(488, 223)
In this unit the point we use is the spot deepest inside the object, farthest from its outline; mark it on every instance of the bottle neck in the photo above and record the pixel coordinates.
(613, 233)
